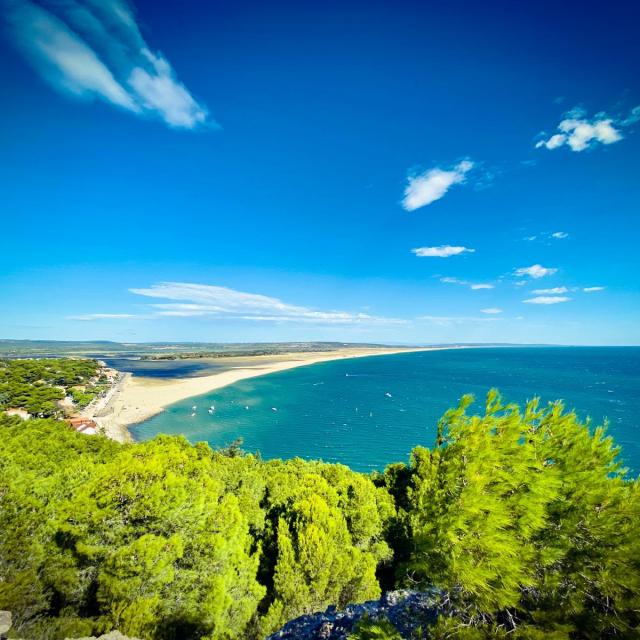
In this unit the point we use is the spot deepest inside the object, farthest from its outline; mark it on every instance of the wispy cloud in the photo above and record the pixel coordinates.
(427, 187)
(491, 310)
(579, 132)
(474, 286)
(193, 300)
(443, 251)
(592, 289)
(535, 271)
(632, 118)
(94, 49)
(554, 291)
(547, 300)
(545, 236)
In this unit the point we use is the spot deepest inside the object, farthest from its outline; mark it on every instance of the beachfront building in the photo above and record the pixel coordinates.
(83, 425)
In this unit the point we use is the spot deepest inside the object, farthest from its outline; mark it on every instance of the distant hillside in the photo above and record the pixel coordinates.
(98, 347)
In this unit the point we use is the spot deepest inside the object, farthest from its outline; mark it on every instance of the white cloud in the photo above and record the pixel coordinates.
(559, 235)
(547, 300)
(94, 49)
(593, 289)
(554, 291)
(579, 132)
(433, 184)
(553, 142)
(193, 300)
(535, 271)
(158, 90)
(491, 310)
(464, 283)
(443, 251)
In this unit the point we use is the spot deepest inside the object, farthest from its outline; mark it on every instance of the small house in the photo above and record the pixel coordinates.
(83, 425)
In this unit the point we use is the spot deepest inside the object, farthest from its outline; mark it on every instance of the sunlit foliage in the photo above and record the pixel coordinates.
(167, 540)
(524, 520)
(37, 385)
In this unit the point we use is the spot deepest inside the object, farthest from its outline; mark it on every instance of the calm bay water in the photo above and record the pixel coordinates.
(167, 368)
(368, 412)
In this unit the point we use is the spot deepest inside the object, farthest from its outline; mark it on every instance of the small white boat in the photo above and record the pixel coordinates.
(194, 408)
(247, 407)
(388, 395)
(193, 414)
(273, 409)
(212, 408)
(210, 412)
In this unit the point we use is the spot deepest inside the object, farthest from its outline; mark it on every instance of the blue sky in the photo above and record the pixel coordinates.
(358, 171)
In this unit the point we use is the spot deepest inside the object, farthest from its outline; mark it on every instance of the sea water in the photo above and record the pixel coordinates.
(369, 412)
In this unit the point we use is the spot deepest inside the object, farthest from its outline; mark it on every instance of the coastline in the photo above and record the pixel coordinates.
(136, 399)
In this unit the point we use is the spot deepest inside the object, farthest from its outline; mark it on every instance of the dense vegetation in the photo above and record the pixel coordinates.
(38, 386)
(528, 523)
(524, 520)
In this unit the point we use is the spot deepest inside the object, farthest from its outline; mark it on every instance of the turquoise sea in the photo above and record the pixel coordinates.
(368, 412)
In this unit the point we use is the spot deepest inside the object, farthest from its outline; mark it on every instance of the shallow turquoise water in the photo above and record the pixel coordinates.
(368, 412)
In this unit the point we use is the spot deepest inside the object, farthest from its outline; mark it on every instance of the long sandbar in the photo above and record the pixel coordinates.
(138, 398)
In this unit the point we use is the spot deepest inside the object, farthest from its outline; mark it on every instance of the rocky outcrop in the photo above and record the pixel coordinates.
(406, 610)
(5, 623)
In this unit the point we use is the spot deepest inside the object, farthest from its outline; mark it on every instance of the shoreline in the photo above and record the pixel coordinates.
(136, 399)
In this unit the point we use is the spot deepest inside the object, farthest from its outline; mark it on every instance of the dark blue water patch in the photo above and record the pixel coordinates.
(167, 368)
(368, 412)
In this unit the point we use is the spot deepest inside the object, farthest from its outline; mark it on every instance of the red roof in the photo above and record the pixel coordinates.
(81, 423)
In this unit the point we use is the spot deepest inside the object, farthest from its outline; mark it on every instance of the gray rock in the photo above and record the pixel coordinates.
(113, 635)
(406, 610)
(5, 621)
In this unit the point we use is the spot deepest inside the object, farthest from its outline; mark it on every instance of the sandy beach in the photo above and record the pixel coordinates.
(135, 399)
